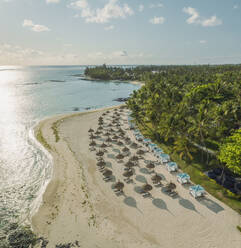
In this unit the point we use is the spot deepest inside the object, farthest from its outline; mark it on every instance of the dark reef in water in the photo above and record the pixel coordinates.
(121, 99)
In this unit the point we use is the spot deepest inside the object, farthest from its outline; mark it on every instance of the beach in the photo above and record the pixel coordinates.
(79, 207)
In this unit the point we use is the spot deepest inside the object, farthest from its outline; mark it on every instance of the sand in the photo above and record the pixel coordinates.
(79, 206)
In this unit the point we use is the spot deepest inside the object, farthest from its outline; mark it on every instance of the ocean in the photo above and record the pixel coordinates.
(27, 95)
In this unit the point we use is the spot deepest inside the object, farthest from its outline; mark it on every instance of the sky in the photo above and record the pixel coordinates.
(85, 32)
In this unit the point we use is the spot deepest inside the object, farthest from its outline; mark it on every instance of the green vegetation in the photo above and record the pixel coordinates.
(239, 228)
(191, 111)
(42, 140)
(18, 237)
(230, 152)
(55, 130)
(117, 73)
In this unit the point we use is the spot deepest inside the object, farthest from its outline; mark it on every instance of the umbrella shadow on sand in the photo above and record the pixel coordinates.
(213, 206)
(108, 164)
(141, 179)
(116, 150)
(110, 155)
(131, 202)
(187, 204)
(159, 203)
(144, 171)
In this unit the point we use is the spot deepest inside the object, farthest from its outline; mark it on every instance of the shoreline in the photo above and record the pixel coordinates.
(87, 78)
(78, 205)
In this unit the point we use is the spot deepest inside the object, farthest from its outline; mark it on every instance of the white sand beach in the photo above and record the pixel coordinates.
(81, 208)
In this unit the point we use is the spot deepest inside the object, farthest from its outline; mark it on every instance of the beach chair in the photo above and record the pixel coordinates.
(146, 194)
(173, 194)
(106, 179)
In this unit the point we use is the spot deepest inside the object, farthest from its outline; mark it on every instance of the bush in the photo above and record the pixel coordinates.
(22, 238)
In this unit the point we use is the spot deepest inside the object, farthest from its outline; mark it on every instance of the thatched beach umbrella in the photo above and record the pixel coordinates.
(119, 185)
(100, 154)
(112, 130)
(171, 185)
(119, 143)
(132, 128)
(115, 137)
(120, 156)
(133, 145)
(140, 152)
(93, 143)
(107, 173)
(150, 166)
(156, 178)
(125, 149)
(129, 164)
(98, 132)
(91, 130)
(103, 145)
(127, 139)
(134, 158)
(106, 134)
(109, 140)
(93, 136)
(100, 128)
(147, 187)
(109, 125)
(101, 163)
(128, 174)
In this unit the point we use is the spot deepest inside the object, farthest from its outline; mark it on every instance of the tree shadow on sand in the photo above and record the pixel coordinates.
(140, 179)
(159, 203)
(213, 206)
(131, 202)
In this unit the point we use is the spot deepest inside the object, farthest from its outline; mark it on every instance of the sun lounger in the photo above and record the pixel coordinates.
(145, 194)
(173, 194)
(106, 179)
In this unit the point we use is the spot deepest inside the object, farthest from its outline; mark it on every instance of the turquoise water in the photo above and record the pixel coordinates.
(27, 95)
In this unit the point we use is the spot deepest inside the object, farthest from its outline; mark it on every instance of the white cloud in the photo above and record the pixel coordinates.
(194, 15)
(141, 7)
(35, 27)
(158, 5)
(112, 10)
(196, 19)
(203, 41)
(157, 20)
(235, 6)
(52, 1)
(211, 22)
(109, 27)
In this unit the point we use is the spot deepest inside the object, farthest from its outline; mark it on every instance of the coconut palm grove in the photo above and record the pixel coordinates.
(194, 113)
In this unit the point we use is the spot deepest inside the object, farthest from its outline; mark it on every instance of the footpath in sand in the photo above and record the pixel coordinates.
(79, 207)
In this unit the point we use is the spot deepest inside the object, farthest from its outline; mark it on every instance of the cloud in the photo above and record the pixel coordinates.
(195, 18)
(52, 1)
(35, 27)
(211, 22)
(158, 5)
(109, 27)
(157, 20)
(119, 54)
(202, 41)
(141, 7)
(112, 10)
(235, 6)
(194, 15)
